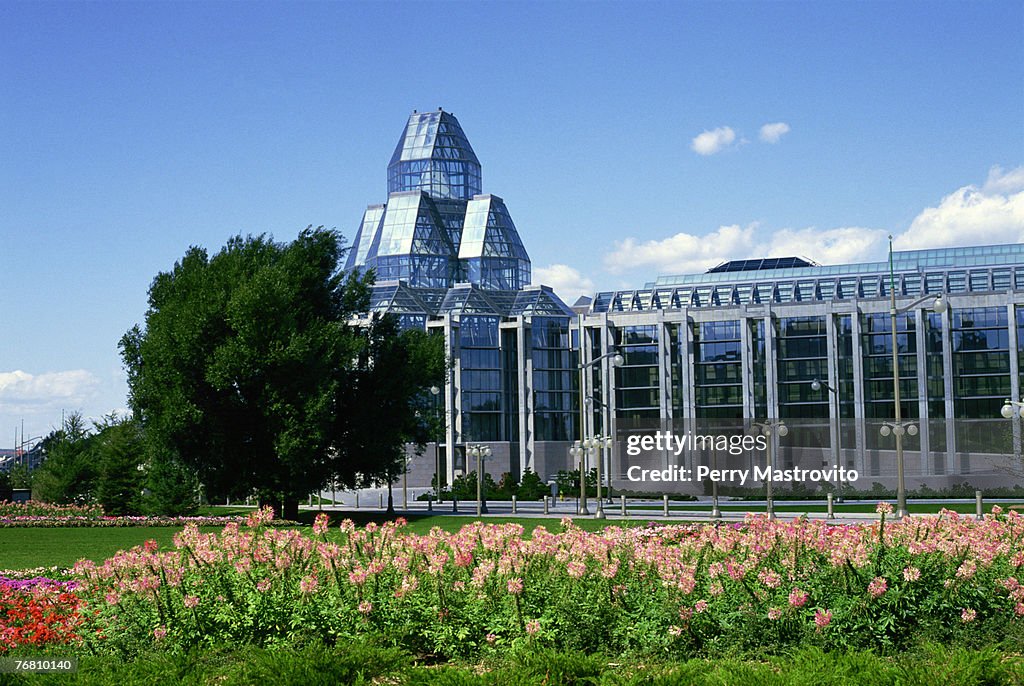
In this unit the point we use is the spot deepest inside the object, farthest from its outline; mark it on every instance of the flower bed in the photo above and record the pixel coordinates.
(38, 612)
(672, 590)
(35, 508)
(44, 515)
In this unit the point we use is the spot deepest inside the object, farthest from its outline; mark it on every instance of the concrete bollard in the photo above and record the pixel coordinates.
(357, 500)
(979, 506)
(622, 505)
(514, 505)
(831, 512)
(664, 501)
(455, 504)
(381, 496)
(311, 500)
(546, 506)
(430, 503)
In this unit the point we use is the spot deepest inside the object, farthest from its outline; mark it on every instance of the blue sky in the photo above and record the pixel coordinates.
(626, 140)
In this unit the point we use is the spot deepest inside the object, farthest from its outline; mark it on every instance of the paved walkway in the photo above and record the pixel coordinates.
(637, 509)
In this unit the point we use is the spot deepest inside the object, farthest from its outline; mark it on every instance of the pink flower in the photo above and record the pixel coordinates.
(769, 578)
(822, 618)
(700, 606)
(967, 569)
(968, 615)
(491, 639)
(365, 607)
(532, 627)
(308, 584)
(883, 508)
(996, 510)
(160, 633)
(576, 569)
(911, 573)
(320, 524)
(263, 585)
(774, 613)
(191, 601)
(797, 597)
(515, 586)
(878, 587)
(675, 630)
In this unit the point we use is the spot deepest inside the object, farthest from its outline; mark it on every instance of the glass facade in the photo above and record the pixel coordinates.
(802, 358)
(636, 381)
(437, 229)
(434, 156)
(744, 342)
(876, 343)
(493, 255)
(554, 379)
(718, 380)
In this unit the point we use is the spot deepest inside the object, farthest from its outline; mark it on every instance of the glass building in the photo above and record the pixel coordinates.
(449, 259)
(705, 353)
(744, 342)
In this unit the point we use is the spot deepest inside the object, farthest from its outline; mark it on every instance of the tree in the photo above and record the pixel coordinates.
(6, 490)
(172, 488)
(118, 452)
(249, 371)
(68, 474)
(21, 476)
(388, 406)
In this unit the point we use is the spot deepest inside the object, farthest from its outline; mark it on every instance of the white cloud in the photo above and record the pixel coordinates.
(1006, 182)
(567, 282)
(22, 392)
(993, 213)
(970, 215)
(683, 252)
(710, 142)
(832, 246)
(771, 133)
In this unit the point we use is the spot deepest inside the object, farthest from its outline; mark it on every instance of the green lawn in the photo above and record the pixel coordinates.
(26, 548)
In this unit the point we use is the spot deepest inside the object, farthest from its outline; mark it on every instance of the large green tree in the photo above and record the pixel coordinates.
(250, 370)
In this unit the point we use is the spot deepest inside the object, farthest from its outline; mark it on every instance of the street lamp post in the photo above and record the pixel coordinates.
(578, 451)
(435, 391)
(580, 448)
(816, 386)
(768, 427)
(899, 427)
(480, 452)
(599, 443)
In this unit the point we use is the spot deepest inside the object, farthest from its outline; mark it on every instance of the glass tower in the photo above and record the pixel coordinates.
(437, 229)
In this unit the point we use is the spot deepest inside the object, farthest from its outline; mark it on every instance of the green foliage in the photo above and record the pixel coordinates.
(172, 488)
(6, 490)
(569, 483)
(21, 476)
(531, 487)
(464, 487)
(249, 372)
(68, 475)
(361, 663)
(119, 452)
